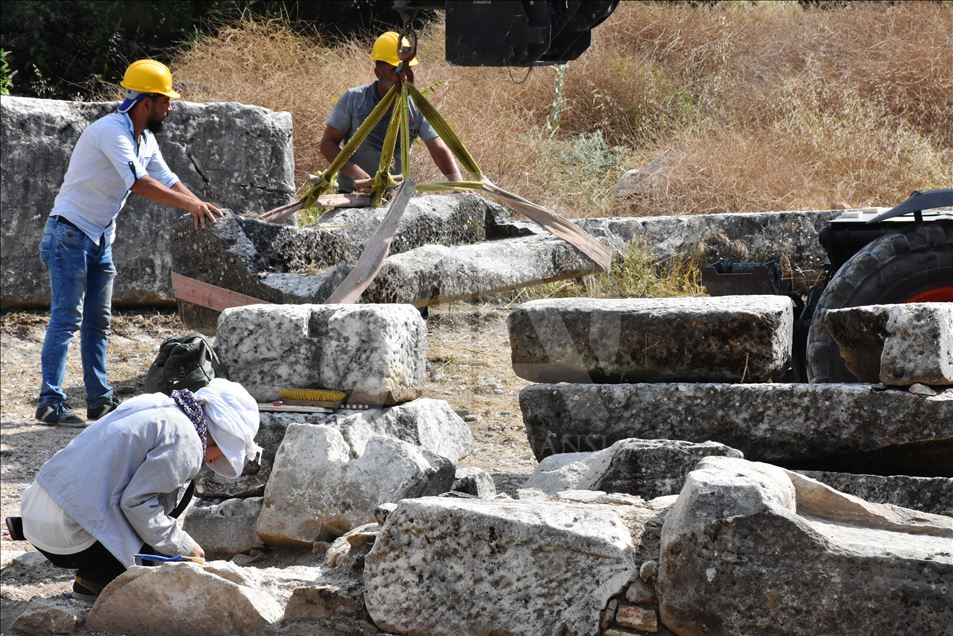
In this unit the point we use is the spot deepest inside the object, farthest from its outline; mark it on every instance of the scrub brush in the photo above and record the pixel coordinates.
(313, 397)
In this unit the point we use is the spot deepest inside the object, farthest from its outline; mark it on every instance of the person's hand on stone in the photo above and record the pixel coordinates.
(201, 210)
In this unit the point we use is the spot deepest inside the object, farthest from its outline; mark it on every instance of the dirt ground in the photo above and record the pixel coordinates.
(468, 359)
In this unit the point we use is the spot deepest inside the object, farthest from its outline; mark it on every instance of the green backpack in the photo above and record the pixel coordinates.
(184, 362)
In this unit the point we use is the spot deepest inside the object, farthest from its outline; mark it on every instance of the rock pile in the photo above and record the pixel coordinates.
(732, 550)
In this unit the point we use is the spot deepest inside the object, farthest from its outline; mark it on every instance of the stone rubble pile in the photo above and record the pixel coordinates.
(359, 522)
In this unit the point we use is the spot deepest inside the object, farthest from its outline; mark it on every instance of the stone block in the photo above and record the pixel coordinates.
(374, 352)
(790, 237)
(929, 494)
(224, 529)
(898, 345)
(206, 145)
(165, 600)
(834, 427)
(634, 617)
(752, 549)
(437, 273)
(474, 481)
(326, 481)
(727, 338)
(648, 468)
(463, 566)
(425, 422)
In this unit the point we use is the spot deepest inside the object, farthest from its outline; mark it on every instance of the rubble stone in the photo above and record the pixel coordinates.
(425, 422)
(325, 601)
(38, 136)
(326, 481)
(649, 468)
(898, 345)
(486, 566)
(164, 600)
(224, 529)
(929, 494)
(835, 427)
(727, 338)
(374, 352)
(634, 617)
(474, 481)
(39, 618)
(749, 546)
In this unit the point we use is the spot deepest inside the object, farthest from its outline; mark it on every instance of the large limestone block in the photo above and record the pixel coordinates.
(284, 264)
(837, 427)
(648, 468)
(929, 494)
(430, 424)
(438, 273)
(790, 237)
(326, 481)
(225, 528)
(375, 352)
(752, 549)
(184, 598)
(898, 345)
(475, 566)
(206, 145)
(728, 338)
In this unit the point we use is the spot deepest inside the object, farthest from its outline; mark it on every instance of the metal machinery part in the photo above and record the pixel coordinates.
(514, 32)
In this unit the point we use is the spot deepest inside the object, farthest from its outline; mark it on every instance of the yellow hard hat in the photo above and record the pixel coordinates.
(149, 76)
(385, 49)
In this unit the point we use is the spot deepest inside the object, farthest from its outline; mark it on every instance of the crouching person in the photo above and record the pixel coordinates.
(116, 489)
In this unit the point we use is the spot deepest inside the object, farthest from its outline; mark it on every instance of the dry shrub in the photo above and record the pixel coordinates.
(758, 106)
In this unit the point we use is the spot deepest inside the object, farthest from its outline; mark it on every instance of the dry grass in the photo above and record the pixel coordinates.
(756, 106)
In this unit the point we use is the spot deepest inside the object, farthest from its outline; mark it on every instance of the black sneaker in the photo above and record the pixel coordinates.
(86, 590)
(101, 410)
(58, 414)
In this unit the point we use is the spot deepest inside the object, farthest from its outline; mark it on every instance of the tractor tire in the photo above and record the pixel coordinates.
(895, 268)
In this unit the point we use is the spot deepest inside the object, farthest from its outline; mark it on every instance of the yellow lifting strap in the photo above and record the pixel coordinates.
(396, 99)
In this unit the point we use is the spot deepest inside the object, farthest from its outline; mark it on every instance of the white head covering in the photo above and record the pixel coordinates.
(232, 418)
(130, 98)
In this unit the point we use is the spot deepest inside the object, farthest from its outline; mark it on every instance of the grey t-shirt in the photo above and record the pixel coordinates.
(351, 111)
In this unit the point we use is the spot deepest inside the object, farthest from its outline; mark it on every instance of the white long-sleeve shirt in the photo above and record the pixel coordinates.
(106, 162)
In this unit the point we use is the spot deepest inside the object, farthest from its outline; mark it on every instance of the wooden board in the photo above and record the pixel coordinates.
(289, 408)
(211, 296)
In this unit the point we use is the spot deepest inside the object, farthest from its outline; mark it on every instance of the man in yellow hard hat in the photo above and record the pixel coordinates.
(115, 155)
(356, 104)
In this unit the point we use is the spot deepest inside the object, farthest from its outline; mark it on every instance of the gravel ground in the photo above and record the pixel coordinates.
(468, 366)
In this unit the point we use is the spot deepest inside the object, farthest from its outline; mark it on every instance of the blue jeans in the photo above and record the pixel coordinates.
(81, 289)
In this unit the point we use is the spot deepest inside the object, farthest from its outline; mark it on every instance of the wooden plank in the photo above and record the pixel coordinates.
(207, 295)
(291, 408)
(376, 250)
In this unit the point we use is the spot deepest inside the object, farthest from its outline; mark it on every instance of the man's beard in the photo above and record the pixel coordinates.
(154, 125)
